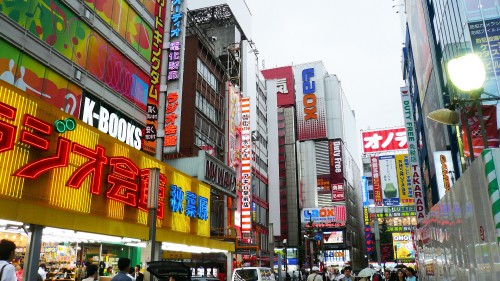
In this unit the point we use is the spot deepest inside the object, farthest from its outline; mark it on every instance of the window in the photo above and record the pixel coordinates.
(207, 75)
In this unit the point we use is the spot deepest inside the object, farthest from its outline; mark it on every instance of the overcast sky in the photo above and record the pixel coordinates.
(358, 40)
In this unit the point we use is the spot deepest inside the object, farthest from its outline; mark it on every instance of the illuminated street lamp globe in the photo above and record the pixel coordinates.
(467, 73)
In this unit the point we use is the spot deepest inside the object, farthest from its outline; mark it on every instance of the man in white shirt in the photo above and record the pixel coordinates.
(314, 275)
(7, 254)
(42, 271)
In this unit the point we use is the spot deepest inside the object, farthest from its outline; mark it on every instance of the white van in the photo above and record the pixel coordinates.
(253, 274)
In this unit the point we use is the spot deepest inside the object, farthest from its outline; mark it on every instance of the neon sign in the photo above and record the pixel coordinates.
(126, 182)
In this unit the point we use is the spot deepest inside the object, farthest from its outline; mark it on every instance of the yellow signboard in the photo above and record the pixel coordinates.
(404, 179)
(61, 172)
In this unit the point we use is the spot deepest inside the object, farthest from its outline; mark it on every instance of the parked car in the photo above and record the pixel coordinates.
(204, 278)
(163, 270)
(253, 274)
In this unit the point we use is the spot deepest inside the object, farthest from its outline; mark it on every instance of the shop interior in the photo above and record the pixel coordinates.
(65, 252)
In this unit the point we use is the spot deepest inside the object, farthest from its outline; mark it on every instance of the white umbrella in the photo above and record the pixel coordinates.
(366, 272)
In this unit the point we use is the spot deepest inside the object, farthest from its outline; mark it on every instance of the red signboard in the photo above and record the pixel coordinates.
(490, 125)
(384, 140)
(377, 189)
(284, 84)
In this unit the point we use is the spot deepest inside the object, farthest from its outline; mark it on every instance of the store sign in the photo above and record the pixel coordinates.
(403, 246)
(413, 154)
(311, 112)
(388, 180)
(377, 190)
(384, 140)
(220, 175)
(174, 77)
(83, 170)
(110, 121)
(404, 179)
(364, 191)
(246, 170)
(326, 214)
(195, 206)
(336, 170)
(284, 84)
(444, 171)
(394, 211)
(154, 81)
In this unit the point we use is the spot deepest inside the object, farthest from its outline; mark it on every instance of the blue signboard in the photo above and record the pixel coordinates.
(480, 38)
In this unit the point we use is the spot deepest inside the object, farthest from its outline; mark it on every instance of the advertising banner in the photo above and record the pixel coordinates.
(333, 237)
(323, 215)
(336, 170)
(389, 180)
(377, 190)
(323, 182)
(246, 171)
(284, 83)
(310, 101)
(403, 247)
(404, 179)
(480, 37)
(234, 134)
(384, 140)
(445, 173)
(175, 70)
(416, 178)
(154, 81)
(366, 215)
(386, 252)
(490, 124)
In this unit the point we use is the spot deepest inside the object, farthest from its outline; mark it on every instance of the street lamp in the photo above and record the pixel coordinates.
(467, 74)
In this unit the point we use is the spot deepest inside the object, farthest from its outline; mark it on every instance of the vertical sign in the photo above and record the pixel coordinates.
(411, 135)
(480, 38)
(377, 191)
(246, 170)
(336, 170)
(174, 77)
(388, 180)
(366, 215)
(404, 179)
(310, 101)
(445, 172)
(154, 80)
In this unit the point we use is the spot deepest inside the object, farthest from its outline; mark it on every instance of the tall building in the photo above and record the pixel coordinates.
(319, 165)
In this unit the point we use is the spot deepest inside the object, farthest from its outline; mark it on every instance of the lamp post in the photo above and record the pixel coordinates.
(286, 257)
(467, 74)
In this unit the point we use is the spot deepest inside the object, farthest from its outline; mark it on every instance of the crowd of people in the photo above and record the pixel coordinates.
(346, 274)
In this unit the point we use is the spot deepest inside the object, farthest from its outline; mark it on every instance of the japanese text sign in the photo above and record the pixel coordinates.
(377, 190)
(336, 170)
(384, 140)
(82, 170)
(174, 56)
(246, 170)
(480, 37)
(388, 180)
(404, 179)
(154, 81)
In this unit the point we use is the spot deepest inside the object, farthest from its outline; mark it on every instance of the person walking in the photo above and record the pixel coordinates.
(400, 276)
(347, 274)
(92, 271)
(7, 254)
(138, 274)
(314, 275)
(387, 275)
(410, 274)
(123, 267)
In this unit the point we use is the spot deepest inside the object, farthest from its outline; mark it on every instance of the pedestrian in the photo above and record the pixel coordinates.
(138, 274)
(109, 271)
(123, 269)
(7, 254)
(400, 275)
(314, 275)
(131, 273)
(347, 274)
(387, 275)
(294, 276)
(92, 271)
(410, 274)
(42, 270)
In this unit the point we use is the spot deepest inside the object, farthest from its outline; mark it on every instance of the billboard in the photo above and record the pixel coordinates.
(234, 121)
(403, 246)
(384, 140)
(175, 71)
(377, 190)
(480, 37)
(310, 101)
(366, 215)
(416, 176)
(336, 170)
(445, 172)
(404, 179)
(284, 84)
(246, 171)
(323, 183)
(323, 215)
(388, 180)
(333, 237)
